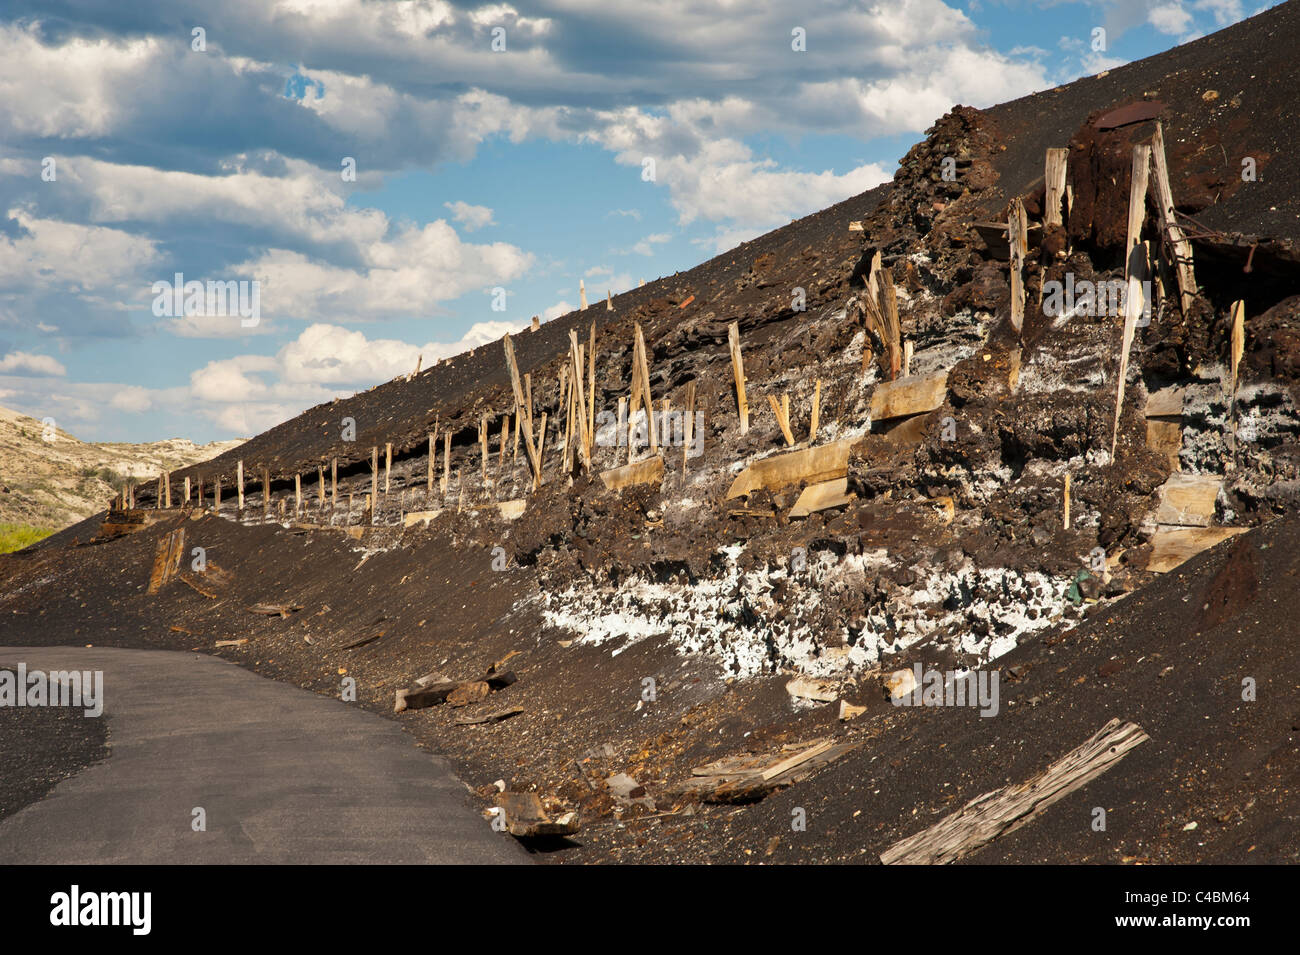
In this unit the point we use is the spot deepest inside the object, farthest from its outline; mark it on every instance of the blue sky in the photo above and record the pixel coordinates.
(520, 169)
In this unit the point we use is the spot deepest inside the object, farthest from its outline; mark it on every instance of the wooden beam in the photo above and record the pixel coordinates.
(297, 493)
(738, 371)
(579, 397)
(187, 491)
(374, 480)
(334, 482)
(591, 385)
(688, 426)
(1005, 810)
(388, 464)
(1181, 249)
(1188, 500)
(266, 492)
(239, 483)
(1065, 496)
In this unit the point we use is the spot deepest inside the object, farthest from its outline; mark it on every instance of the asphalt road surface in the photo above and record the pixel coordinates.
(282, 776)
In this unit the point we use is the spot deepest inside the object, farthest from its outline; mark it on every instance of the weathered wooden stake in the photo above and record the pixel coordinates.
(446, 461)
(1067, 501)
(582, 295)
(334, 482)
(1174, 236)
(816, 412)
(1017, 238)
(388, 463)
(266, 492)
(1135, 273)
(374, 480)
(430, 463)
(239, 483)
(643, 364)
(688, 429)
(1054, 178)
(297, 493)
(1238, 340)
(187, 491)
(738, 372)
(782, 413)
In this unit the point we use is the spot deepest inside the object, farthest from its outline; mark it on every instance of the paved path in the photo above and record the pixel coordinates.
(285, 776)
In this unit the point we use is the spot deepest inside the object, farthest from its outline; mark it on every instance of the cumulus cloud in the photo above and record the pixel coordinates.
(21, 362)
(471, 217)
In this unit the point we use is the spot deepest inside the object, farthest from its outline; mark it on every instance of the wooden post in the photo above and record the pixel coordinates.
(239, 483)
(644, 366)
(579, 398)
(1238, 340)
(582, 295)
(816, 412)
(216, 497)
(782, 413)
(501, 454)
(388, 463)
(297, 493)
(187, 491)
(537, 323)
(1017, 238)
(429, 468)
(1067, 501)
(523, 408)
(609, 301)
(1054, 194)
(446, 461)
(334, 483)
(541, 437)
(483, 444)
(320, 485)
(566, 389)
(591, 383)
(738, 372)
(1182, 249)
(688, 429)
(907, 358)
(889, 308)
(1135, 273)
(266, 492)
(374, 480)
(200, 494)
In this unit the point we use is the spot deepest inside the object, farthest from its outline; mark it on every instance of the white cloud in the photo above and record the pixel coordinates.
(25, 362)
(1170, 18)
(72, 257)
(471, 217)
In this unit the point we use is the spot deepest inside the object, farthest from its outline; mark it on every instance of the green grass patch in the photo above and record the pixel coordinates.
(17, 536)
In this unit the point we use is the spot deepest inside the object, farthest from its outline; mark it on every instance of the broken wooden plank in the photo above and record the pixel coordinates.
(1188, 500)
(647, 471)
(643, 376)
(512, 510)
(275, 610)
(809, 465)
(1005, 810)
(1166, 437)
(815, 417)
(1171, 546)
(908, 396)
(821, 497)
(1238, 342)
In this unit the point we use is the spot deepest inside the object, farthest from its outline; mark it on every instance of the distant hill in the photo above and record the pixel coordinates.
(51, 484)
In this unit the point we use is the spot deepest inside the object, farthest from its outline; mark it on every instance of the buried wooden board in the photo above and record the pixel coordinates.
(1170, 546)
(1166, 437)
(440, 690)
(1187, 500)
(1165, 403)
(820, 497)
(167, 559)
(419, 517)
(908, 396)
(825, 462)
(212, 582)
(513, 510)
(1005, 810)
(649, 471)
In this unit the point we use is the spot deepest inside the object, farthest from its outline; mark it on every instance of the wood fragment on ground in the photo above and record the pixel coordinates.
(1005, 810)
